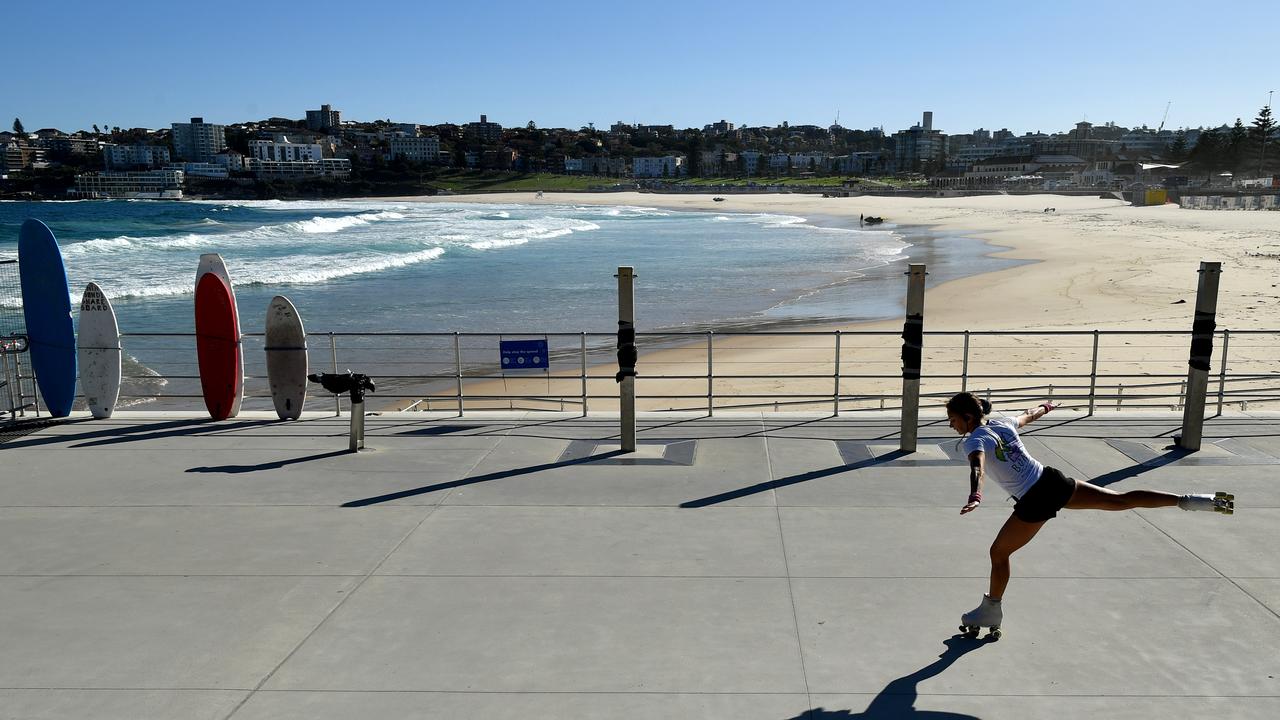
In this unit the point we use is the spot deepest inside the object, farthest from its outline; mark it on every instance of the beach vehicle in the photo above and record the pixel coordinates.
(718, 199)
(872, 220)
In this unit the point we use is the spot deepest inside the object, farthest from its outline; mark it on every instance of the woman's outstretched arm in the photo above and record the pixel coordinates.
(1035, 413)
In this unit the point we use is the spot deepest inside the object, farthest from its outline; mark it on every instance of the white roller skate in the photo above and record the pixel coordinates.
(987, 615)
(1218, 502)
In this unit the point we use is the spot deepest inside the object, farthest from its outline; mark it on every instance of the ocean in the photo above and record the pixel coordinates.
(379, 266)
(358, 266)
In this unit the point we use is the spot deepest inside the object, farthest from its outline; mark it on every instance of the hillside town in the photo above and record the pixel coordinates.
(324, 155)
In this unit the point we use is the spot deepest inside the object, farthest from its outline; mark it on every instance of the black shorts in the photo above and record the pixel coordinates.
(1046, 497)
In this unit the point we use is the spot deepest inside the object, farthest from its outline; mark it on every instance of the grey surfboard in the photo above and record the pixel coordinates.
(286, 347)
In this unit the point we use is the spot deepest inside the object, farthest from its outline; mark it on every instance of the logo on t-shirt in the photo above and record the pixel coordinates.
(1001, 453)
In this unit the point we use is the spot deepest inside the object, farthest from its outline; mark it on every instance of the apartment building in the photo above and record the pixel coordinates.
(134, 157)
(415, 149)
(919, 147)
(483, 131)
(281, 150)
(324, 119)
(339, 168)
(655, 167)
(198, 141)
(150, 184)
(596, 165)
(201, 170)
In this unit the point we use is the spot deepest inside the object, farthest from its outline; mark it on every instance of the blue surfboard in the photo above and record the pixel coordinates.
(46, 303)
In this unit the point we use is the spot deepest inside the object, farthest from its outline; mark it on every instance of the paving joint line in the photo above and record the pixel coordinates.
(786, 568)
(1209, 565)
(329, 614)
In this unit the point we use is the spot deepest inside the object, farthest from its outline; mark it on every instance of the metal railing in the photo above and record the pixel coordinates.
(836, 371)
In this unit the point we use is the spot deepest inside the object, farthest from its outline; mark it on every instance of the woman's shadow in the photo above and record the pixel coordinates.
(898, 698)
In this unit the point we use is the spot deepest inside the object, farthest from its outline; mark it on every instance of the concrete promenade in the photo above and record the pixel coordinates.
(513, 566)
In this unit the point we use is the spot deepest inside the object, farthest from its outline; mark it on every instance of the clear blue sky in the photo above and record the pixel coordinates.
(1022, 65)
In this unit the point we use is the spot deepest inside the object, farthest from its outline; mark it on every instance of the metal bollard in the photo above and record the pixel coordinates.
(355, 384)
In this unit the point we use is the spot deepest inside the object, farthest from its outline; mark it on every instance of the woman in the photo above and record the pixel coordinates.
(993, 446)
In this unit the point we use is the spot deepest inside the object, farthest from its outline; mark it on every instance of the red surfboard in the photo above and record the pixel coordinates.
(218, 345)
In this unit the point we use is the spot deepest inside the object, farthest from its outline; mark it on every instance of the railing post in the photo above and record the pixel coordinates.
(584, 374)
(1119, 395)
(1200, 356)
(835, 395)
(8, 385)
(711, 402)
(1093, 374)
(35, 389)
(1222, 374)
(912, 357)
(333, 361)
(457, 369)
(964, 365)
(627, 357)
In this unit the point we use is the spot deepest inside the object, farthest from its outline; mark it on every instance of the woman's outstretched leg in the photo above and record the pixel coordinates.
(1091, 497)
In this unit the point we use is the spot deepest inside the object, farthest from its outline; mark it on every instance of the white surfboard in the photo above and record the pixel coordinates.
(212, 263)
(98, 352)
(286, 346)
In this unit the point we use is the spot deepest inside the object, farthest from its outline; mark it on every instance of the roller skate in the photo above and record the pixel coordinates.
(987, 615)
(1224, 503)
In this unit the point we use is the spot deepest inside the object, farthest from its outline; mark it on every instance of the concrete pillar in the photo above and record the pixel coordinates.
(627, 354)
(1201, 355)
(912, 354)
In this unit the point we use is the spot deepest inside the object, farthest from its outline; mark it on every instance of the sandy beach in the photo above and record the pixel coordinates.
(1096, 264)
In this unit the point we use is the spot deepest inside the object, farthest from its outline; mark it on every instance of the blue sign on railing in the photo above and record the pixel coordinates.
(523, 354)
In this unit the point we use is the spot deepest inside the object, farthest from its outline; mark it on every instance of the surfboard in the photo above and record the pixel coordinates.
(46, 306)
(212, 263)
(98, 350)
(218, 346)
(286, 346)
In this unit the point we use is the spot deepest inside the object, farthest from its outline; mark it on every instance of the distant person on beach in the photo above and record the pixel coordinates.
(993, 447)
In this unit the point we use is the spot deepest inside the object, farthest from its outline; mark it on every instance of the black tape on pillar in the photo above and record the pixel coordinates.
(627, 353)
(912, 346)
(1202, 341)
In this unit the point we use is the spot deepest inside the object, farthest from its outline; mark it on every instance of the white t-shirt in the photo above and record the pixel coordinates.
(1006, 458)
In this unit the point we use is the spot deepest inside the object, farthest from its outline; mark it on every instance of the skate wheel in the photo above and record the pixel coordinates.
(969, 631)
(994, 634)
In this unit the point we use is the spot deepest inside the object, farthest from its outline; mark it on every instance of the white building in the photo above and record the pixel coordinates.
(198, 141)
(129, 157)
(201, 170)
(666, 166)
(151, 184)
(415, 149)
(326, 167)
(277, 151)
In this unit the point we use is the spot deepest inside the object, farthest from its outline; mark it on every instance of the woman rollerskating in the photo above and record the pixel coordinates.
(993, 447)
